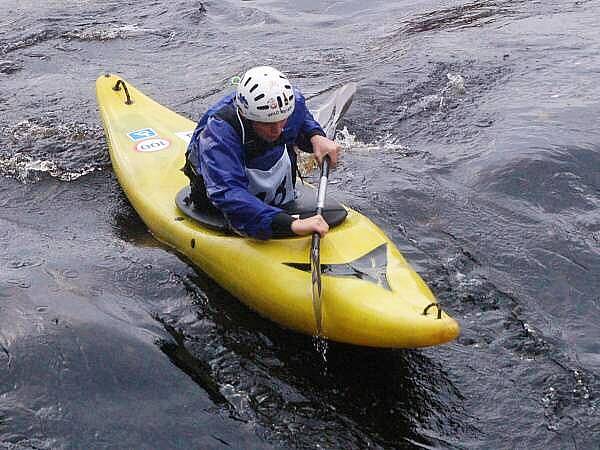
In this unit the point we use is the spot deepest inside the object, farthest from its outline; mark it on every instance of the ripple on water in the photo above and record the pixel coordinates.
(110, 32)
(475, 14)
(8, 67)
(29, 40)
(555, 179)
(95, 32)
(275, 378)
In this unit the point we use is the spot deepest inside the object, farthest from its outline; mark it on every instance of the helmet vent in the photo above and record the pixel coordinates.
(279, 102)
(262, 107)
(247, 81)
(253, 87)
(258, 97)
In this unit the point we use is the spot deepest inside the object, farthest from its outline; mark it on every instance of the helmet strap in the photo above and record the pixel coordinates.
(237, 112)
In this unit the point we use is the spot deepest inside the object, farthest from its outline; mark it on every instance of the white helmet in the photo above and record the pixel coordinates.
(264, 94)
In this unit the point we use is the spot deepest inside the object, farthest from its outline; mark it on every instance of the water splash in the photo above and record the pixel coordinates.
(423, 100)
(27, 130)
(321, 345)
(29, 170)
(39, 149)
(388, 144)
(455, 87)
(350, 143)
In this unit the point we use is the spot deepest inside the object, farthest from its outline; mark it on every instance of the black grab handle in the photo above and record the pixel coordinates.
(439, 315)
(117, 87)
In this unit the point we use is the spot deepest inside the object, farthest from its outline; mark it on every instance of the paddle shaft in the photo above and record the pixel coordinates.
(323, 186)
(315, 251)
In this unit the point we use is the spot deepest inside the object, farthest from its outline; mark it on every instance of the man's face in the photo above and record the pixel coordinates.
(269, 131)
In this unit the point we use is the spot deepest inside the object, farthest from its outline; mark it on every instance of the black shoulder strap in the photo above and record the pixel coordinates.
(228, 113)
(253, 145)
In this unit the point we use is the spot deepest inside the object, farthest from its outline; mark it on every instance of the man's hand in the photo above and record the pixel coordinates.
(310, 225)
(323, 146)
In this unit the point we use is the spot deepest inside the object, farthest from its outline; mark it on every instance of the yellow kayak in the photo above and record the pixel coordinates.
(370, 294)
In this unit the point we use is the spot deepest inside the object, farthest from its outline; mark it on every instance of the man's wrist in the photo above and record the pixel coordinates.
(312, 136)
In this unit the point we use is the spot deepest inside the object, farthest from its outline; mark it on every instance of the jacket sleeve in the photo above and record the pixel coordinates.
(308, 125)
(222, 167)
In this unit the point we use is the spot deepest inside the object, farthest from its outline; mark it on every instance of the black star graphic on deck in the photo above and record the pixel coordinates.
(370, 267)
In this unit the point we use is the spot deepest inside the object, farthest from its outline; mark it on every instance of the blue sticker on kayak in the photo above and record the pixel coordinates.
(144, 133)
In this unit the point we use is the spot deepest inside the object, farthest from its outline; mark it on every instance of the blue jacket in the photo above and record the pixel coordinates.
(218, 154)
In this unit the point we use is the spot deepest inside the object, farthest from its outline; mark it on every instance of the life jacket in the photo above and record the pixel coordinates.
(274, 186)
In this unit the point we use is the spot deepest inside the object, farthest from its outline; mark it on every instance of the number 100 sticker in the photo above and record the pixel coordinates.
(152, 145)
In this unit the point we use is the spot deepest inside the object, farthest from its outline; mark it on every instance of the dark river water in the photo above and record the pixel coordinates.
(473, 141)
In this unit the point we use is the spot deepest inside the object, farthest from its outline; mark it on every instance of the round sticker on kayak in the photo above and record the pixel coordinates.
(152, 145)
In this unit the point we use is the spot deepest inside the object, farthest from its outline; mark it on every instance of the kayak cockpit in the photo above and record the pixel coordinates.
(304, 206)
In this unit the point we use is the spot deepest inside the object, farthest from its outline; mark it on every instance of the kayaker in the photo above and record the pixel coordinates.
(241, 157)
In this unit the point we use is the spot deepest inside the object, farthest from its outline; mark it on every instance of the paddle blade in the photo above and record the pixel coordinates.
(330, 112)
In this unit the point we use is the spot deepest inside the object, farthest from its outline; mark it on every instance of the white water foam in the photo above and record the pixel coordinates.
(30, 129)
(110, 33)
(386, 144)
(350, 143)
(30, 170)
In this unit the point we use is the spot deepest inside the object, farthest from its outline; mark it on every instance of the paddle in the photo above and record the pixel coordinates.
(315, 248)
(328, 115)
